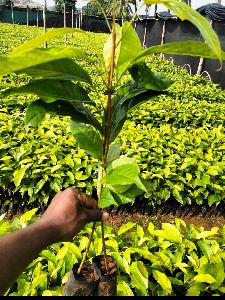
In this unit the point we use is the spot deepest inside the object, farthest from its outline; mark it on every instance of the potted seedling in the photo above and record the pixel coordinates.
(57, 81)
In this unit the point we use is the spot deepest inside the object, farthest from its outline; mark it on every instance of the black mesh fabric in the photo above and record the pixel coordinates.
(214, 11)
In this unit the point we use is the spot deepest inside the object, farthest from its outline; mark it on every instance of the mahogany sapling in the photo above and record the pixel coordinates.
(57, 81)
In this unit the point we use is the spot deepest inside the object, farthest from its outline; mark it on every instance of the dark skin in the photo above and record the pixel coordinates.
(67, 214)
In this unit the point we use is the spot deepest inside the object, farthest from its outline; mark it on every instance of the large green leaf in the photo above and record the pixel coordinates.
(123, 171)
(125, 227)
(107, 49)
(169, 232)
(62, 69)
(87, 138)
(147, 79)
(37, 110)
(139, 277)
(129, 48)
(204, 278)
(205, 248)
(106, 199)
(123, 289)
(36, 57)
(113, 153)
(126, 98)
(185, 12)
(43, 38)
(51, 90)
(18, 176)
(163, 281)
(191, 48)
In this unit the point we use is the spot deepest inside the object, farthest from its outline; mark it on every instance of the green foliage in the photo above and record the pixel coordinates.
(148, 264)
(176, 138)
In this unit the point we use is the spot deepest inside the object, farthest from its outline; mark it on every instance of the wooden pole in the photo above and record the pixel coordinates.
(37, 17)
(72, 20)
(163, 37)
(44, 20)
(27, 16)
(64, 20)
(76, 26)
(202, 60)
(12, 13)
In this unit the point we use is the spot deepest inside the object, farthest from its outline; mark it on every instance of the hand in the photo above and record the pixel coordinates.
(68, 212)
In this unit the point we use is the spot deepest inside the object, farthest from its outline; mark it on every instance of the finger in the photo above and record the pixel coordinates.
(87, 200)
(95, 215)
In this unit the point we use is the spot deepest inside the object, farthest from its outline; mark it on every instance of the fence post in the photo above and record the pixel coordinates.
(37, 16)
(12, 13)
(27, 16)
(44, 20)
(72, 21)
(64, 20)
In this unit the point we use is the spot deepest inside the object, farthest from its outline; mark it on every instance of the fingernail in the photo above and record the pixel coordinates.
(105, 216)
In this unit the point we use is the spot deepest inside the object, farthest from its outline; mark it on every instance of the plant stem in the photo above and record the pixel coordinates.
(87, 249)
(108, 117)
(105, 142)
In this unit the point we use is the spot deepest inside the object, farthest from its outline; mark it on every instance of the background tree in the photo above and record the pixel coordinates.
(59, 4)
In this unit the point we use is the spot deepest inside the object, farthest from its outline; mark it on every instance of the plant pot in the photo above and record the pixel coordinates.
(84, 284)
(107, 285)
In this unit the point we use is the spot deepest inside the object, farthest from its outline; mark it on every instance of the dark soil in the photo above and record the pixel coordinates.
(87, 273)
(142, 213)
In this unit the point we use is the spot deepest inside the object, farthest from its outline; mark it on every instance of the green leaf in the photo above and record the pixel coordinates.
(128, 196)
(87, 138)
(127, 97)
(121, 261)
(107, 49)
(74, 249)
(27, 216)
(43, 38)
(38, 280)
(36, 57)
(113, 153)
(139, 277)
(125, 227)
(215, 198)
(49, 255)
(217, 272)
(123, 171)
(147, 79)
(195, 289)
(107, 198)
(98, 246)
(123, 289)
(205, 234)
(62, 252)
(62, 69)
(128, 48)
(163, 281)
(185, 12)
(204, 278)
(37, 110)
(169, 232)
(190, 48)
(18, 176)
(51, 90)
(205, 248)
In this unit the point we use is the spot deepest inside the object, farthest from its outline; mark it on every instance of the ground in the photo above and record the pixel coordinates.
(116, 221)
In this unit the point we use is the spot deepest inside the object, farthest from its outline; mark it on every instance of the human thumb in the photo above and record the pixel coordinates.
(95, 215)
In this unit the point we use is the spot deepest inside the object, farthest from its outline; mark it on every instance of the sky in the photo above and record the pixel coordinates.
(81, 3)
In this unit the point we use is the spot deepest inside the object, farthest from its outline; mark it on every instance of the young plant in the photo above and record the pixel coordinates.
(61, 86)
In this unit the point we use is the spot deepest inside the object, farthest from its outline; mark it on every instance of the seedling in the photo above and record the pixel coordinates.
(60, 84)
